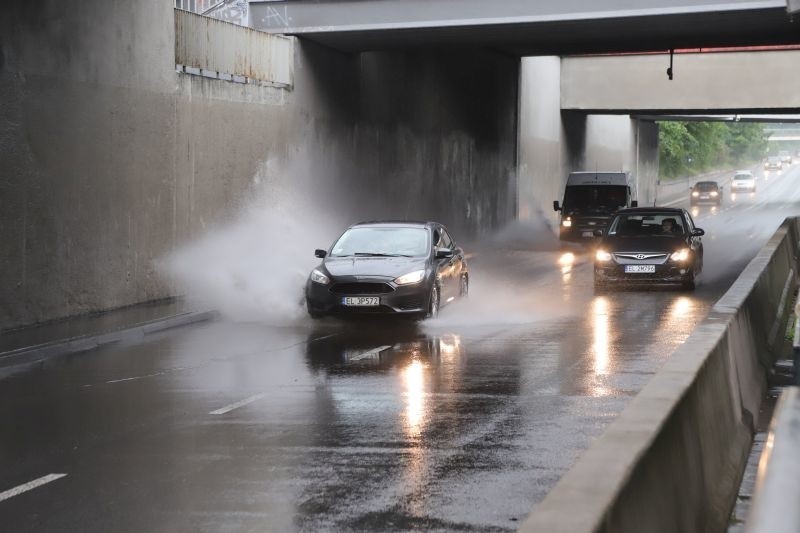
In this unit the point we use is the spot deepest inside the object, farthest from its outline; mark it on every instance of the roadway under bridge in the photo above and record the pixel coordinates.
(143, 160)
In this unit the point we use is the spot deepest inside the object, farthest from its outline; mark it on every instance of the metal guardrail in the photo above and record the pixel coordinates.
(213, 45)
(775, 507)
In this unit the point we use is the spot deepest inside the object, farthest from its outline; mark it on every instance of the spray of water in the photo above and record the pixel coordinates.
(255, 267)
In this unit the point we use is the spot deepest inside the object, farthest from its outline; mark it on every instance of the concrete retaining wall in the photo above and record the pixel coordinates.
(109, 159)
(673, 459)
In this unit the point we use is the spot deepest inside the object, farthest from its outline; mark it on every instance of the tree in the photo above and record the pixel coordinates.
(687, 148)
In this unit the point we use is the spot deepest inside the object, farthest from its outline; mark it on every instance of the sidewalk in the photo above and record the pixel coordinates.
(31, 344)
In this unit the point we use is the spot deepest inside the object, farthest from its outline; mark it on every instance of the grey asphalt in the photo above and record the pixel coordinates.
(461, 423)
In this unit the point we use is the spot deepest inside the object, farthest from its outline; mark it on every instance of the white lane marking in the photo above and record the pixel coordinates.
(136, 377)
(372, 352)
(324, 337)
(241, 403)
(30, 485)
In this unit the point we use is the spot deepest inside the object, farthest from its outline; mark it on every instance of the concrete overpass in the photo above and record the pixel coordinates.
(761, 82)
(520, 28)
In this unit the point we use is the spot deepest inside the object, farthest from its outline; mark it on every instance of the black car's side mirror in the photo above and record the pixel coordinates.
(556, 207)
(444, 253)
(599, 232)
(697, 232)
(320, 253)
(634, 203)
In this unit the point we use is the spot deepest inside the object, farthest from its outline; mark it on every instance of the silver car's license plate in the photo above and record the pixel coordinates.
(361, 301)
(640, 269)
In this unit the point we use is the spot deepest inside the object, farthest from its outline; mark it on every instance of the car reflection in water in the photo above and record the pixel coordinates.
(376, 346)
(420, 362)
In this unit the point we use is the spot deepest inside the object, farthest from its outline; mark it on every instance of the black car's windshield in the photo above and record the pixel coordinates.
(643, 224)
(604, 197)
(368, 241)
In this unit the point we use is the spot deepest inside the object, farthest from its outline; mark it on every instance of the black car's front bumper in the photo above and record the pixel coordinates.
(412, 299)
(666, 273)
(713, 200)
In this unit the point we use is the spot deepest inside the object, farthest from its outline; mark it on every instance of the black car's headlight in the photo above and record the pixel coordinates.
(681, 255)
(319, 277)
(602, 256)
(410, 278)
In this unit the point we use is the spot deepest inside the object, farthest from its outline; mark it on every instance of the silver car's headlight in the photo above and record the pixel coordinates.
(319, 277)
(411, 277)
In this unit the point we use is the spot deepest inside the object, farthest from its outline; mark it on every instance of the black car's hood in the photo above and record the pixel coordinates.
(658, 243)
(390, 267)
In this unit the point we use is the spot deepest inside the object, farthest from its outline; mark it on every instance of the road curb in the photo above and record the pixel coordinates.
(34, 354)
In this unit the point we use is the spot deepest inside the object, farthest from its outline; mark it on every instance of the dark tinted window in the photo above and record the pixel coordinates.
(446, 241)
(597, 196)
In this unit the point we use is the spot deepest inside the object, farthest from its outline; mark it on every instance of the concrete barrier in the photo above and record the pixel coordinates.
(796, 345)
(774, 508)
(673, 459)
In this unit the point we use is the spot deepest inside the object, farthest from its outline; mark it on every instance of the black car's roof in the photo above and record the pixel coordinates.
(650, 210)
(405, 223)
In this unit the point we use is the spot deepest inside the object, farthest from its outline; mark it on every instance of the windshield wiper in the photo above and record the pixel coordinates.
(370, 254)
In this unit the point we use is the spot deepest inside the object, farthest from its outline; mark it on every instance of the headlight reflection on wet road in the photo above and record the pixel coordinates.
(601, 338)
(413, 377)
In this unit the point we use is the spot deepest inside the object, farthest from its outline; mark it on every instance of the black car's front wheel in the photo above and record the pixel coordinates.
(433, 303)
(314, 314)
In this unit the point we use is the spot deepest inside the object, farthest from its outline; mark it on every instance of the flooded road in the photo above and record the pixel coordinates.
(460, 423)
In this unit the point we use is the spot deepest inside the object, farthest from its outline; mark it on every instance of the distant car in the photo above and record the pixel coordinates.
(649, 245)
(706, 192)
(401, 268)
(786, 156)
(773, 162)
(743, 181)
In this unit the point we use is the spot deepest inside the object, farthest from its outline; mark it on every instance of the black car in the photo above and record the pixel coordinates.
(650, 245)
(402, 268)
(706, 192)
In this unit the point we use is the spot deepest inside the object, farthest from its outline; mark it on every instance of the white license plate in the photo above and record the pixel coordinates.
(704, 197)
(640, 269)
(361, 301)
(588, 234)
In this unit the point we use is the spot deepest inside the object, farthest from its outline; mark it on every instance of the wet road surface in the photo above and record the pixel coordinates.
(461, 423)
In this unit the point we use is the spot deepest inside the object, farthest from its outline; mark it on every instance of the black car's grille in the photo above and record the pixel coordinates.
(635, 258)
(361, 288)
(411, 302)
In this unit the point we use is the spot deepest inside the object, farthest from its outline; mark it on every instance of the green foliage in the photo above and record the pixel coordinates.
(687, 148)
